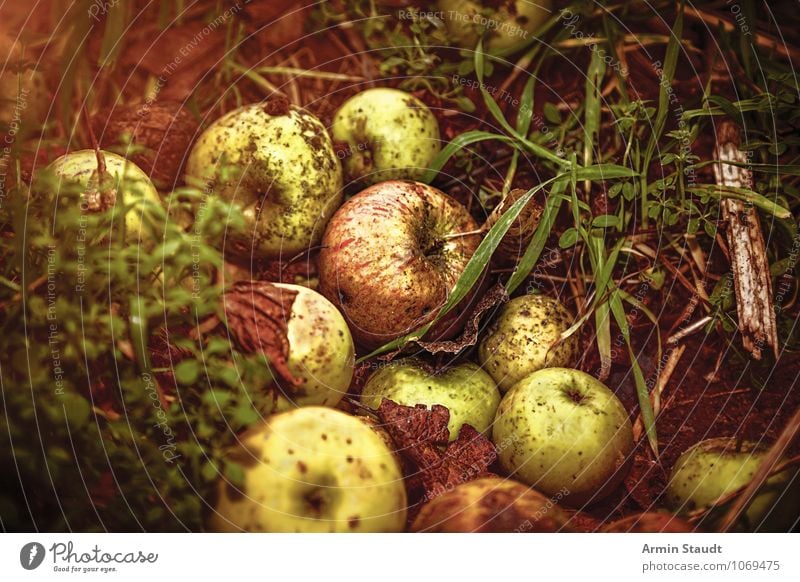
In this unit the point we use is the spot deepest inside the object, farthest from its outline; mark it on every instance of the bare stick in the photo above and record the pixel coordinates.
(751, 275)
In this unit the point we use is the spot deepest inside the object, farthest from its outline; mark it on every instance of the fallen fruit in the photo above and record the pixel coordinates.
(390, 134)
(491, 505)
(465, 390)
(526, 337)
(305, 339)
(561, 429)
(649, 522)
(312, 469)
(100, 193)
(288, 180)
(391, 256)
(506, 23)
(711, 469)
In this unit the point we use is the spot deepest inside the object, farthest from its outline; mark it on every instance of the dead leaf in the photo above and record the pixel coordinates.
(469, 336)
(421, 435)
(257, 315)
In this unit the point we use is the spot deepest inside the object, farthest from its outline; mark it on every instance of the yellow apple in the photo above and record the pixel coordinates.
(313, 469)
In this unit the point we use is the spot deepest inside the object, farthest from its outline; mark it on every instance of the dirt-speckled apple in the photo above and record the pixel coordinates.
(321, 352)
(312, 469)
(138, 192)
(563, 429)
(390, 258)
(525, 338)
(506, 23)
(286, 179)
(491, 505)
(713, 468)
(468, 392)
(390, 134)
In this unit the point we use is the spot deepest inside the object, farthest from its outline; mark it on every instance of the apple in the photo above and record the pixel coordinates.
(286, 179)
(390, 134)
(391, 256)
(525, 338)
(312, 469)
(561, 429)
(649, 522)
(489, 505)
(321, 352)
(23, 94)
(468, 392)
(505, 23)
(711, 469)
(100, 193)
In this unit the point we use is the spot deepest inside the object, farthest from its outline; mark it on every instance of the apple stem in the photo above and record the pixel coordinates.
(463, 234)
(101, 161)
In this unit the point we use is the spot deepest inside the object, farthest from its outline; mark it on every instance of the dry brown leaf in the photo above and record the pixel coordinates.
(469, 336)
(257, 314)
(421, 434)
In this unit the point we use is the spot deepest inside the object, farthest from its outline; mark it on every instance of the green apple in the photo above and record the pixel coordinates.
(525, 337)
(491, 504)
(713, 468)
(506, 23)
(23, 95)
(561, 429)
(286, 177)
(390, 134)
(321, 352)
(99, 194)
(468, 392)
(312, 469)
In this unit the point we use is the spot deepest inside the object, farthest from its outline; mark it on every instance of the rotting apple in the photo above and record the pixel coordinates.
(286, 179)
(464, 389)
(320, 358)
(505, 23)
(560, 428)
(390, 258)
(649, 522)
(713, 468)
(491, 505)
(390, 135)
(312, 469)
(525, 337)
(100, 193)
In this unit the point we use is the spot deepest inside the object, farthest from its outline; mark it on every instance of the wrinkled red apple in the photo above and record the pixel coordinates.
(390, 258)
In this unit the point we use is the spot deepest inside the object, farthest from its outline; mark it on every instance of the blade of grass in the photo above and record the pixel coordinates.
(642, 393)
(472, 272)
(458, 143)
(497, 113)
(743, 194)
(591, 112)
(536, 246)
(114, 34)
(664, 93)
